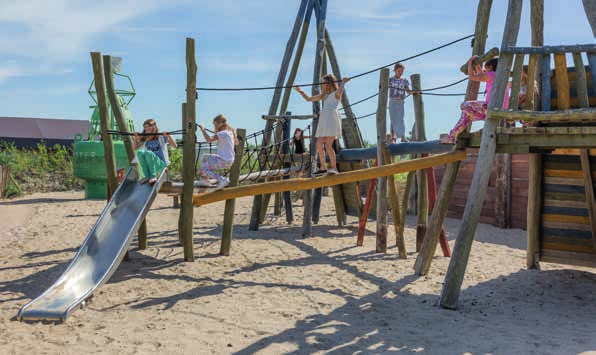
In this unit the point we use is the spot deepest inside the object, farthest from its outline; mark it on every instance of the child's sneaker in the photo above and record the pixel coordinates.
(222, 183)
(332, 172)
(202, 183)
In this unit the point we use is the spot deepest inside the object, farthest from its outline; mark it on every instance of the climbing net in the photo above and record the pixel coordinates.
(259, 162)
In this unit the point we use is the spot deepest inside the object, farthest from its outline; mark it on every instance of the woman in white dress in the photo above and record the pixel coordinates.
(329, 127)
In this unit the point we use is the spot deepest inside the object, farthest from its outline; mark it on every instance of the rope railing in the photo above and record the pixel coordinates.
(352, 77)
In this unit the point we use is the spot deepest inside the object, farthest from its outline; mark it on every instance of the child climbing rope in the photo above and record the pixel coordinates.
(152, 152)
(472, 111)
(226, 139)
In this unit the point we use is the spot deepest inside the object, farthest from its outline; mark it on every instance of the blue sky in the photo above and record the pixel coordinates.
(45, 67)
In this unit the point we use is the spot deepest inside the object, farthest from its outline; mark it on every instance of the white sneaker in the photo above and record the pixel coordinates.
(331, 172)
(202, 183)
(223, 183)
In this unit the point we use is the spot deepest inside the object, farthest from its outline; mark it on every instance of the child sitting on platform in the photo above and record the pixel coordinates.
(152, 151)
(226, 139)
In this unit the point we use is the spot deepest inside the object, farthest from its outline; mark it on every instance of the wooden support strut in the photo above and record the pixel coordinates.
(381, 144)
(463, 245)
(330, 180)
(230, 206)
(372, 183)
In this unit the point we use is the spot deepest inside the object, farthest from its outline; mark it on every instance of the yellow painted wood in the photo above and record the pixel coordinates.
(566, 247)
(565, 219)
(562, 81)
(530, 82)
(567, 226)
(560, 203)
(342, 178)
(570, 151)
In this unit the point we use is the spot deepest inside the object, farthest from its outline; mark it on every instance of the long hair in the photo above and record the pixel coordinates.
(330, 78)
(154, 129)
(300, 137)
(225, 126)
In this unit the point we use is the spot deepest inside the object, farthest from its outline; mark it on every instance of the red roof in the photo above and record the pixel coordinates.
(42, 128)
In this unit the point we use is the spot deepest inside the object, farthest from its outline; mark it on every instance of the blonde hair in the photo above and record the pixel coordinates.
(225, 126)
(151, 122)
(330, 78)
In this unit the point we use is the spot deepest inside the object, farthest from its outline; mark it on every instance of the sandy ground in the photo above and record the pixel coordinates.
(280, 293)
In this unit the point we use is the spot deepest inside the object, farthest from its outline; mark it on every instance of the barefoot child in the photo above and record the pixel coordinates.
(226, 139)
(152, 151)
(329, 127)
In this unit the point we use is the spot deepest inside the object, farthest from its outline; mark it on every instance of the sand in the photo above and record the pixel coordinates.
(279, 293)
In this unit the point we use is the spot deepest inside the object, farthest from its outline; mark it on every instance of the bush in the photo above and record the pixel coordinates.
(41, 170)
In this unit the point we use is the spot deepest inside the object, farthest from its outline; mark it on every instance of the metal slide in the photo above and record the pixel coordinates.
(101, 252)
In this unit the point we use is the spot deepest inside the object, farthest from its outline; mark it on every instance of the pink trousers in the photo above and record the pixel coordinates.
(471, 111)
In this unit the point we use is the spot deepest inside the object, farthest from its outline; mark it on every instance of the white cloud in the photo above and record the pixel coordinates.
(58, 29)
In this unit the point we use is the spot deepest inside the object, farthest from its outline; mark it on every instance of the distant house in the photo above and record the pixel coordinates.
(26, 132)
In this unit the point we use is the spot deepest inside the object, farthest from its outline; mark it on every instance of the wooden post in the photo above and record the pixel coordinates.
(372, 183)
(427, 251)
(258, 200)
(181, 206)
(287, 195)
(316, 108)
(537, 28)
(590, 9)
(546, 92)
(104, 116)
(381, 142)
(562, 82)
(123, 127)
(463, 244)
(535, 160)
(589, 187)
(226, 233)
(3, 179)
(429, 245)
(406, 197)
(534, 206)
(581, 82)
(395, 212)
(421, 178)
(188, 155)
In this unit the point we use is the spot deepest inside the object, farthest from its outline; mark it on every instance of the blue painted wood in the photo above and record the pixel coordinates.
(592, 62)
(569, 233)
(569, 189)
(565, 211)
(546, 82)
(359, 154)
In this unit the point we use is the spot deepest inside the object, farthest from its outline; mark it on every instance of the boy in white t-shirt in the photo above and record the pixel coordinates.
(225, 136)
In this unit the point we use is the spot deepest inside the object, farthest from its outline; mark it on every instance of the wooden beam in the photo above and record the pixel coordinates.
(546, 90)
(587, 114)
(127, 140)
(518, 66)
(562, 81)
(491, 53)
(258, 200)
(581, 83)
(589, 47)
(589, 187)
(359, 154)
(342, 178)
(429, 245)
(531, 82)
(421, 177)
(294, 117)
(463, 244)
(590, 9)
(534, 208)
(381, 143)
(104, 117)
(230, 206)
(398, 224)
(188, 154)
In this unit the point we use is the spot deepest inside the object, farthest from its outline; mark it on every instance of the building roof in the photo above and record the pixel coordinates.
(41, 128)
